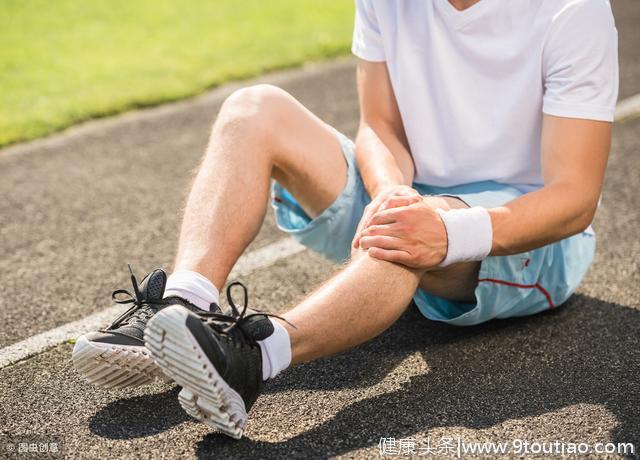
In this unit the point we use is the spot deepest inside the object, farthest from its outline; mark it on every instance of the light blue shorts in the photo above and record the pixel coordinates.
(516, 285)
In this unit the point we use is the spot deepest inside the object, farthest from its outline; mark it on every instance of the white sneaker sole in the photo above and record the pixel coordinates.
(114, 366)
(205, 395)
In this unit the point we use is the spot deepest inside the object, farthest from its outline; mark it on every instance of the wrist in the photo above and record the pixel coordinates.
(387, 187)
(379, 189)
(469, 234)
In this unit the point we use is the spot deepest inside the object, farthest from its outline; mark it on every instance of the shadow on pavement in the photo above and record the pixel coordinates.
(139, 416)
(584, 352)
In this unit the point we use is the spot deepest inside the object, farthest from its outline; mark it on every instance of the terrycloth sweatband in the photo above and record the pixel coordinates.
(469, 234)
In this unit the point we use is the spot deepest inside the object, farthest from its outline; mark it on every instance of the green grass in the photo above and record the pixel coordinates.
(64, 61)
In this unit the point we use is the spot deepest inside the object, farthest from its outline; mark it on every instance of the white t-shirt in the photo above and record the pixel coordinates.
(472, 85)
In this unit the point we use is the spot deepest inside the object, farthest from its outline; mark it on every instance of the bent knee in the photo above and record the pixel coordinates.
(256, 107)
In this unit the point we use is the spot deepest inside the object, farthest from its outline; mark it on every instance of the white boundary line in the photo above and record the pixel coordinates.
(260, 258)
(628, 108)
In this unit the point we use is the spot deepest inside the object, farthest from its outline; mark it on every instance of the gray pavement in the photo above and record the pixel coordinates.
(627, 15)
(77, 207)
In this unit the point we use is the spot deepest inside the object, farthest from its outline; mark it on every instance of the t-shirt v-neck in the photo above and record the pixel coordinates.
(459, 18)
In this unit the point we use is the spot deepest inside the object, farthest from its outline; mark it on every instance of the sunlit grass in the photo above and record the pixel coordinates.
(65, 61)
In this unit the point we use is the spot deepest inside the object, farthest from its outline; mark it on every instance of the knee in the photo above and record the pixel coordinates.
(255, 110)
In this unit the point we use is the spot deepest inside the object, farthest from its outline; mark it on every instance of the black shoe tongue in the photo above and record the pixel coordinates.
(152, 286)
(258, 327)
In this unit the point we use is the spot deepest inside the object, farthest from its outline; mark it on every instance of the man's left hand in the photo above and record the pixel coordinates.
(412, 235)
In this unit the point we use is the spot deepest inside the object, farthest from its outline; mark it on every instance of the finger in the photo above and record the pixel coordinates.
(361, 225)
(398, 201)
(372, 208)
(356, 236)
(400, 257)
(367, 219)
(388, 216)
(383, 242)
(377, 230)
(369, 211)
(356, 240)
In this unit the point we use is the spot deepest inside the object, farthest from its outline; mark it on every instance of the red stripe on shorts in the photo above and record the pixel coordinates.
(524, 286)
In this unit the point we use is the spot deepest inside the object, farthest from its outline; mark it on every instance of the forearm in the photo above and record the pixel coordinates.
(382, 158)
(574, 154)
(542, 217)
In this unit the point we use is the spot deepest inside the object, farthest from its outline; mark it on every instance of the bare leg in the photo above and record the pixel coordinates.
(357, 304)
(367, 297)
(261, 132)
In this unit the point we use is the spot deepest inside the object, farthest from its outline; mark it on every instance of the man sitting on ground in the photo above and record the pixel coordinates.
(471, 187)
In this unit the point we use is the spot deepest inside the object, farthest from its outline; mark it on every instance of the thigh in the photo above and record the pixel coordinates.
(330, 232)
(457, 282)
(308, 158)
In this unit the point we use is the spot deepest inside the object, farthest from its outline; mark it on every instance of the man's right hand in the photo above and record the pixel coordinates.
(388, 197)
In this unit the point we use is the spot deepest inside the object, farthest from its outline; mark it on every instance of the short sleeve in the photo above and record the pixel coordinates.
(580, 62)
(367, 40)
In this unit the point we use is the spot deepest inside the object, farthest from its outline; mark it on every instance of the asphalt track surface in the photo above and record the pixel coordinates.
(76, 207)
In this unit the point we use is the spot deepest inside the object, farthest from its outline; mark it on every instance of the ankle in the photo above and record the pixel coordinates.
(193, 287)
(276, 350)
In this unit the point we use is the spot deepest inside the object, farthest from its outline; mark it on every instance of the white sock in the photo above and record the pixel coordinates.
(192, 286)
(276, 351)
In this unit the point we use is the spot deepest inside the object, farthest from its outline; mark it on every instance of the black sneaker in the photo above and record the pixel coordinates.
(215, 358)
(115, 357)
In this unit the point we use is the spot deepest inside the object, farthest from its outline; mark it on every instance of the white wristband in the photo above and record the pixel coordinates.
(469, 233)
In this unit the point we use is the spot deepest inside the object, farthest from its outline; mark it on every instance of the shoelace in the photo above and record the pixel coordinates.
(238, 317)
(140, 308)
